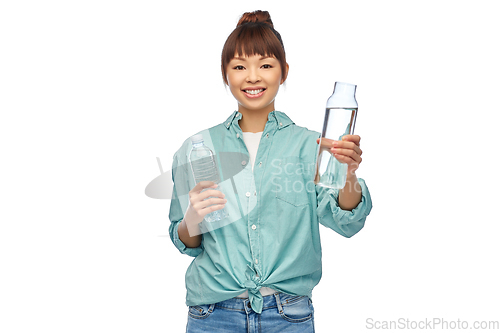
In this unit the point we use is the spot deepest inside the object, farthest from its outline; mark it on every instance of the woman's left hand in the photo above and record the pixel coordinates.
(345, 151)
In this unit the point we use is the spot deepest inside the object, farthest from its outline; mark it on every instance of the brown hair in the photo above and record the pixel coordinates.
(254, 34)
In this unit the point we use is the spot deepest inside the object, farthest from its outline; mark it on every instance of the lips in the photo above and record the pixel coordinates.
(254, 92)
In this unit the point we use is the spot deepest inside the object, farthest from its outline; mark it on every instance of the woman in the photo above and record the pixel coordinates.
(256, 272)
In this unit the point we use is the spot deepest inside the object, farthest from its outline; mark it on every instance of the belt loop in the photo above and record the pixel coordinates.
(278, 302)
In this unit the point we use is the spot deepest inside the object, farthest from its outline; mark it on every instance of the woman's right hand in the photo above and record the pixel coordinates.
(198, 206)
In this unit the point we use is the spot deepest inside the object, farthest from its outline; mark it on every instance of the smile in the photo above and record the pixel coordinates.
(254, 93)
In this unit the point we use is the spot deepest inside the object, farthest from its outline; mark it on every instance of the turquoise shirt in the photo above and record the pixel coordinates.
(271, 237)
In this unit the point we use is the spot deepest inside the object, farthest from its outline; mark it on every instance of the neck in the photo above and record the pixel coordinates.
(254, 120)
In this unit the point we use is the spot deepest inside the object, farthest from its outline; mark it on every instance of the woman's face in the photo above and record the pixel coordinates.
(254, 82)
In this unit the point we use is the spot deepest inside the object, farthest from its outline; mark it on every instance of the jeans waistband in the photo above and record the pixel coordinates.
(270, 301)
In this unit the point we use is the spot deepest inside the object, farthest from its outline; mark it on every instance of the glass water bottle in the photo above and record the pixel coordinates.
(340, 118)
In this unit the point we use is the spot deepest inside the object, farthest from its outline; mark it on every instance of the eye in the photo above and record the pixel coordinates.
(239, 67)
(267, 66)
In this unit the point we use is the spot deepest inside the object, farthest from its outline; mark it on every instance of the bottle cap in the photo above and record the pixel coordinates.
(197, 138)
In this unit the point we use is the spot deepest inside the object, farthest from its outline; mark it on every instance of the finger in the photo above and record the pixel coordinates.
(210, 209)
(325, 143)
(210, 193)
(202, 185)
(352, 138)
(199, 206)
(347, 153)
(347, 160)
(348, 145)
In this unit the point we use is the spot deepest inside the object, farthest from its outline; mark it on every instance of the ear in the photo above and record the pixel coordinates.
(286, 74)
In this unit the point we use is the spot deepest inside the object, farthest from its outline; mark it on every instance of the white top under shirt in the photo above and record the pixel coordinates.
(252, 141)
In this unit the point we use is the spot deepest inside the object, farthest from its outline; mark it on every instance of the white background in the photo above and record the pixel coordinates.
(93, 91)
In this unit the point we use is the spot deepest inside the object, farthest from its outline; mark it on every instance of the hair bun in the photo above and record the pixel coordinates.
(256, 16)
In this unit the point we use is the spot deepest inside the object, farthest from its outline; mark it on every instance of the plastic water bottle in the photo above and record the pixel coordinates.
(204, 167)
(340, 118)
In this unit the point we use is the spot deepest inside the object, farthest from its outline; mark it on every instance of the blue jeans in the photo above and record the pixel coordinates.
(280, 313)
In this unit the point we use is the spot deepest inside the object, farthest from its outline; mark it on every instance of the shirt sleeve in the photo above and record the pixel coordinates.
(346, 223)
(180, 198)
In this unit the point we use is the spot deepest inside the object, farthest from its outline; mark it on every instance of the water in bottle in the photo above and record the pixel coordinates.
(204, 167)
(340, 118)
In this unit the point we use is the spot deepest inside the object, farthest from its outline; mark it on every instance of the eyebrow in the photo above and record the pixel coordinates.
(243, 59)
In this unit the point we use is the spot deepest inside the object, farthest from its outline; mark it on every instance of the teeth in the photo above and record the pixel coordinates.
(254, 92)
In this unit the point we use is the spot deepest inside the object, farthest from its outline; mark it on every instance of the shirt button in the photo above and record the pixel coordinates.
(237, 135)
(256, 261)
(243, 162)
(260, 164)
(267, 135)
(248, 194)
(227, 124)
(254, 227)
(281, 124)
(255, 193)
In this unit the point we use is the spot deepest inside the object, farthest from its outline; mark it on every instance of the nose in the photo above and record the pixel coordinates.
(253, 76)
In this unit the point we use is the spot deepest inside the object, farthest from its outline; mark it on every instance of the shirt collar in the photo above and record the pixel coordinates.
(279, 117)
(231, 118)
